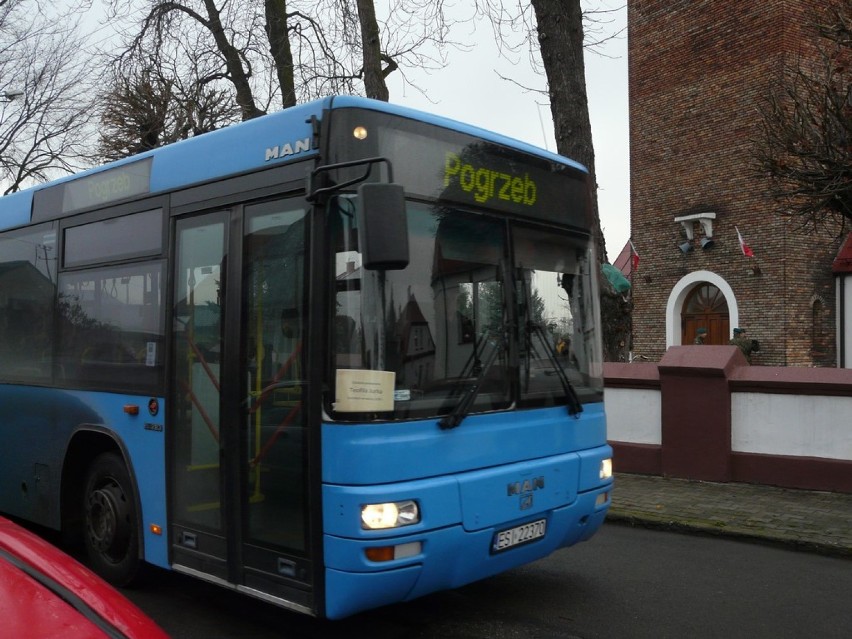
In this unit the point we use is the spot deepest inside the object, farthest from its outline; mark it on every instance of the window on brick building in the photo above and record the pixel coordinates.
(705, 307)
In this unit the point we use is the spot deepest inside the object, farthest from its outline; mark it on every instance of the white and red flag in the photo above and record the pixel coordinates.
(744, 247)
(634, 257)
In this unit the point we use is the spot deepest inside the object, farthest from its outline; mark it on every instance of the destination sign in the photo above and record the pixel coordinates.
(454, 167)
(486, 184)
(119, 183)
(101, 187)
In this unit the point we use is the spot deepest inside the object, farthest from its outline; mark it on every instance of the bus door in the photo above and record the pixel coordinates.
(239, 446)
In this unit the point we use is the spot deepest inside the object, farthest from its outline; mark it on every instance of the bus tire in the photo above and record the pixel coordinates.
(111, 522)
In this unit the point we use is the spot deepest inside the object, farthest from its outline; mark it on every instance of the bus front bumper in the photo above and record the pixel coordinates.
(448, 557)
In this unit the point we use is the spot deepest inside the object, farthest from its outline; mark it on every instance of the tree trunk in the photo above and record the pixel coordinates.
(233, 62)
(560, 34)
(279, 46)
(374, 78)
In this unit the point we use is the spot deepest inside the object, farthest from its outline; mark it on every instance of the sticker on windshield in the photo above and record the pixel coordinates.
(363, 391)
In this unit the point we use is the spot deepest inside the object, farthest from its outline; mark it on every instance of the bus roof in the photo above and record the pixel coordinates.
(344, 101)
(243, 147)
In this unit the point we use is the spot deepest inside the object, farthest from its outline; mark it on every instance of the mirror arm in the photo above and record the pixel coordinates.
(315, 193)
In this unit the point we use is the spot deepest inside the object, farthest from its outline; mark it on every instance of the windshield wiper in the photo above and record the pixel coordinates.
(480, 362)
(483, 365)
(575, 406)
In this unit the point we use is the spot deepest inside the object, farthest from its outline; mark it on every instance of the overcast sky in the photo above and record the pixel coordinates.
(469, 89)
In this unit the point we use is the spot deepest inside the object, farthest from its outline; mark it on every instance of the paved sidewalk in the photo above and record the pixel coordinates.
(810, 520)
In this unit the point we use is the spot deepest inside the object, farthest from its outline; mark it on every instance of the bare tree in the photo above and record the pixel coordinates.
(232, 40)
(150, 104)
(45, 98)
(374, 76)
(415, 34)
(553, 33)
(560, 38)
(412, 34)
(292, 50)
(805, 149)
(277, 21)
(277, 51)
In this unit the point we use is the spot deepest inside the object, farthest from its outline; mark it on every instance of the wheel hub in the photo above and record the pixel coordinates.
(107, 520)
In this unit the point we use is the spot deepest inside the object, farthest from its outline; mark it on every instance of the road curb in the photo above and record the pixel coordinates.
(719, 528)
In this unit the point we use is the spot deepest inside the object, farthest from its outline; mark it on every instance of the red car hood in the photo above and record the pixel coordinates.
(45, 593)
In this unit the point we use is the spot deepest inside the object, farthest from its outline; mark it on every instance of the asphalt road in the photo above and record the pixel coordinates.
(626, 582)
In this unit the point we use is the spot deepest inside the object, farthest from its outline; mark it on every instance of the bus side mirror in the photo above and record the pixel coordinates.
(382, 226)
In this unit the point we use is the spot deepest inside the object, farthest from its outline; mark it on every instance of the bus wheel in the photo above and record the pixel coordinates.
(112, 523)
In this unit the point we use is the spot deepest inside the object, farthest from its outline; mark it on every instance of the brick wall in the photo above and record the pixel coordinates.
(698, 69)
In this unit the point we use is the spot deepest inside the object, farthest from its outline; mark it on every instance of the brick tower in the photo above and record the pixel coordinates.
(698, 70)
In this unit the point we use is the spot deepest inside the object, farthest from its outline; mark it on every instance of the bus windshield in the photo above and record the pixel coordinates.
(504, 306)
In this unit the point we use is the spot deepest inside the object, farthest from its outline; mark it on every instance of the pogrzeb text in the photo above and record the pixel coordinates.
(487, 184)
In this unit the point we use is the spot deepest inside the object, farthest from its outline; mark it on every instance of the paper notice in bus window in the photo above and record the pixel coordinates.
(151, 354)
(361, 391)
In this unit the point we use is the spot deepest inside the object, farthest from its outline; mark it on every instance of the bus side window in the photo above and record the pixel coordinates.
(27, 291)
(110, 325)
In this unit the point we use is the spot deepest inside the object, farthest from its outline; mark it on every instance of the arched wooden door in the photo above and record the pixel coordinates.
(705, 307)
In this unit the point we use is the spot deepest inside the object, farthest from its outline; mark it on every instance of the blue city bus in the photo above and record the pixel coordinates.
(335, 357)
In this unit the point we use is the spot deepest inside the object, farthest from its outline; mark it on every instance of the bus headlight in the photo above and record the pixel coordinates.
(390, 515)
(606, 468)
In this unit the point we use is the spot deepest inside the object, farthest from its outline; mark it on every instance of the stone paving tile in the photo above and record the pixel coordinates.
(818, 521)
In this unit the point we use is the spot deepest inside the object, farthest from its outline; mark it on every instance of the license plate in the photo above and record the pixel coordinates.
(518, 535)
